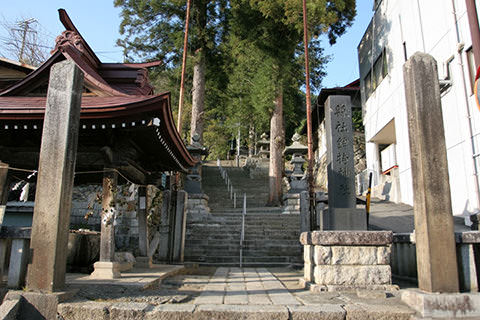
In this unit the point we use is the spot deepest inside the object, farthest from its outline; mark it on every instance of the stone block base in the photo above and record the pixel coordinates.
(346, 260)
(143, 262)
(443, 305)
(356, 275)
(197, 205)
(291, 203)
(105, 270)
(37, 305)
(318, 288)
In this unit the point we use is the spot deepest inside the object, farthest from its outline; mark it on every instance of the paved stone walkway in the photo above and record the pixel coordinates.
(253, 286)
(237, 293)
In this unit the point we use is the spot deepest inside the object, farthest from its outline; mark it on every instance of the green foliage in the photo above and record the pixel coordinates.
(254, 48)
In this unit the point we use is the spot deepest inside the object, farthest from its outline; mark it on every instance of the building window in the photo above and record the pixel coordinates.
(368, 84)
(472, 71)
(375, 76)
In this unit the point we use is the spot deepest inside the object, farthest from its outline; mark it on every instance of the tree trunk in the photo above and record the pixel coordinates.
(198, 86)
(198, 95)
(277, 144)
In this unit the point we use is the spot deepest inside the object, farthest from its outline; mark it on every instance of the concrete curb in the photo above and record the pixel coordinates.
(82, 310)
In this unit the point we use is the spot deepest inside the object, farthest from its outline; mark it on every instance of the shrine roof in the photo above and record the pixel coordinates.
(118, 98)
(102, 79)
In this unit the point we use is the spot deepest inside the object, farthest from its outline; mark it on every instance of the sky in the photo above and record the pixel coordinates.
(98, 21)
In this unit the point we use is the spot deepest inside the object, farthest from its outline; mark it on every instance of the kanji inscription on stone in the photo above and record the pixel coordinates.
(340, 159)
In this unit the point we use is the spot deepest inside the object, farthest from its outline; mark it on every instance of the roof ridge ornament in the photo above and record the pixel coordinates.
(72, 38)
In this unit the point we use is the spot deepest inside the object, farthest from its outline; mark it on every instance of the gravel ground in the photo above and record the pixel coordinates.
(181, 288)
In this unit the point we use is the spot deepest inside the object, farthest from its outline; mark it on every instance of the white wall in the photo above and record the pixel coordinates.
(427, 26)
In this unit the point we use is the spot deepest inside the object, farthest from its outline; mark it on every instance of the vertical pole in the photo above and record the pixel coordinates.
(434, 230)
(234, 200)
(3, 190)
(309, 112)
(107, 238)
(474, 30)
(369, 195)
(184, 64)
(53, 198)
(238, 147)
(107, 268)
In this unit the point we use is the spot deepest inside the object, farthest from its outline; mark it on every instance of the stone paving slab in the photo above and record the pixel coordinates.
(317, 312)
(248, 312)
(137, 277)
(214, 291)
(252, 286)
(248, 293)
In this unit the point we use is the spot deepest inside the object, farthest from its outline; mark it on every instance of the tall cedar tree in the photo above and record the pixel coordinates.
(153, 30)
(273, 30)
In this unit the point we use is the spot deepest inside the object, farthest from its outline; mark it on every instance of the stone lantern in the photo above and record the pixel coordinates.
(264, 145)
(298, 179)
(197, 200)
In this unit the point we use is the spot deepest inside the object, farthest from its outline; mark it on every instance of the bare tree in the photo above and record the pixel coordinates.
(23, 41)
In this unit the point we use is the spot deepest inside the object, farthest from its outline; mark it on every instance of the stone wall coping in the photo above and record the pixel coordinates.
(465, 237)
(346, 238)
(198, 196)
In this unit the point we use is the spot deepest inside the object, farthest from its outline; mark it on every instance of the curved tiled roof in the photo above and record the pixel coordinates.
(120, 99)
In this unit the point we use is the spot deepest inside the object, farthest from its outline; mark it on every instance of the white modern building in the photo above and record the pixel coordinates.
(449, 31)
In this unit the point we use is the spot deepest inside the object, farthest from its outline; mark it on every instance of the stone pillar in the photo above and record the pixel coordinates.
(342, 214)
(436, 259)
(180, 226)
(144, 260)
(53, 199)
(304, 212)
(107, 268)
(164, 228)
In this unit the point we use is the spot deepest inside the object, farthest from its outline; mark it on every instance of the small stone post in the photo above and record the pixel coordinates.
(107, 268)
(180, 226)
(53, 199)
(435, 242)
(164, 228)
(143, 261)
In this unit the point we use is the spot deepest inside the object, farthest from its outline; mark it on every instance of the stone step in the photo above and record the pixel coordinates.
(235, 258)
(249, 229)
(274, 252)
(247, 243)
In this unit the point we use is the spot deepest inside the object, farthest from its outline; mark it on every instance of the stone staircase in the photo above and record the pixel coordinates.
(214, 186)
(271, 238)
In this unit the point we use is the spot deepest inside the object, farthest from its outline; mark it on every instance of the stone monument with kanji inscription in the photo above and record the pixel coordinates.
(342, 213)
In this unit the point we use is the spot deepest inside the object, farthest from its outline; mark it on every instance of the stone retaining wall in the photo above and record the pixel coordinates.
(339, 260)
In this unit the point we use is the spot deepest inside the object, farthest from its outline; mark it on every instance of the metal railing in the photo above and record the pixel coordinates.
(233, 196)
(242, 235)
(231, 191)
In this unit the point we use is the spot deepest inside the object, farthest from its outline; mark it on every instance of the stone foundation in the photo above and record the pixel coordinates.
(336, 260)
(291, 203)
(197, 205)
